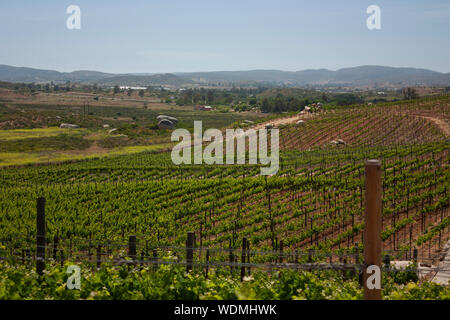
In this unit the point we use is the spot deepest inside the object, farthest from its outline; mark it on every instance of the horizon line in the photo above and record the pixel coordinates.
(212, 71)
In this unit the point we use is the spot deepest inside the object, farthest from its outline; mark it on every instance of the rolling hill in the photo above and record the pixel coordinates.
(362, 75)
(21, 74)
(355, 76)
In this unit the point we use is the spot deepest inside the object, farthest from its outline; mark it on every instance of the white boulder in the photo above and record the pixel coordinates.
(164, 117)
(166, 124)
(69, 126)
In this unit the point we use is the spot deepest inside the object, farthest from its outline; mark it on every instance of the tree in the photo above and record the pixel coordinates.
(346, 99)
(210, 97)
(188, 97)
(409, 93)
(141, 93)
(197, 97)
(116, 89)
(265, 106)
(279, 103)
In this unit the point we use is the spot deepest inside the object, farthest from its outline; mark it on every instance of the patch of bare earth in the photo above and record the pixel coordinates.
(443, 125)
(284, 121)
(93, 149)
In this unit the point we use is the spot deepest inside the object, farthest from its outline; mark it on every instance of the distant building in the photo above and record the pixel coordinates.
(132, 88)
(204, 108)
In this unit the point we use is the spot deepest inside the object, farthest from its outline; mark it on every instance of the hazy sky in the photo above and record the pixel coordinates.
(206, 35)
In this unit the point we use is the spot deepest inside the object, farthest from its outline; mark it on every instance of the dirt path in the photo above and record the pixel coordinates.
(283, 121)
(274, 122)
(443, 125)
(93, 149)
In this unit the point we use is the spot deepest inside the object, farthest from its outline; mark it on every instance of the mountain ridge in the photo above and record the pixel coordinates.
(352, 76)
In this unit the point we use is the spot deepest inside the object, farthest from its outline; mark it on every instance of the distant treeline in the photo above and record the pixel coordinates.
(243, 99)
(281, 103)
(267, 99)
(218, 96)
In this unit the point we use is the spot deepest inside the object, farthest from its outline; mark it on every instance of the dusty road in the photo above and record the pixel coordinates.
(443, 125)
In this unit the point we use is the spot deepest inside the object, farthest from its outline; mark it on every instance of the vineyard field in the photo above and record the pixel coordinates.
(312, 210)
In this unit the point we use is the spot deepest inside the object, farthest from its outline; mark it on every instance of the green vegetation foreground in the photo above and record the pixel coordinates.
(173, 283)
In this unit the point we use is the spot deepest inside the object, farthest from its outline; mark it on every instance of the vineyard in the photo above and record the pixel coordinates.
(311, 213)
(380, 125)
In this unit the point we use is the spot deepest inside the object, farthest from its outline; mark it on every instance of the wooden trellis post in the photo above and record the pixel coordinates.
(281, 251)
(132, 248)
(40, 236)
(190, 250)
(55, 247)
(248, 256)
(372, 234)
(207, 263)
(244, 246)
(155, 259)
(99, 257)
